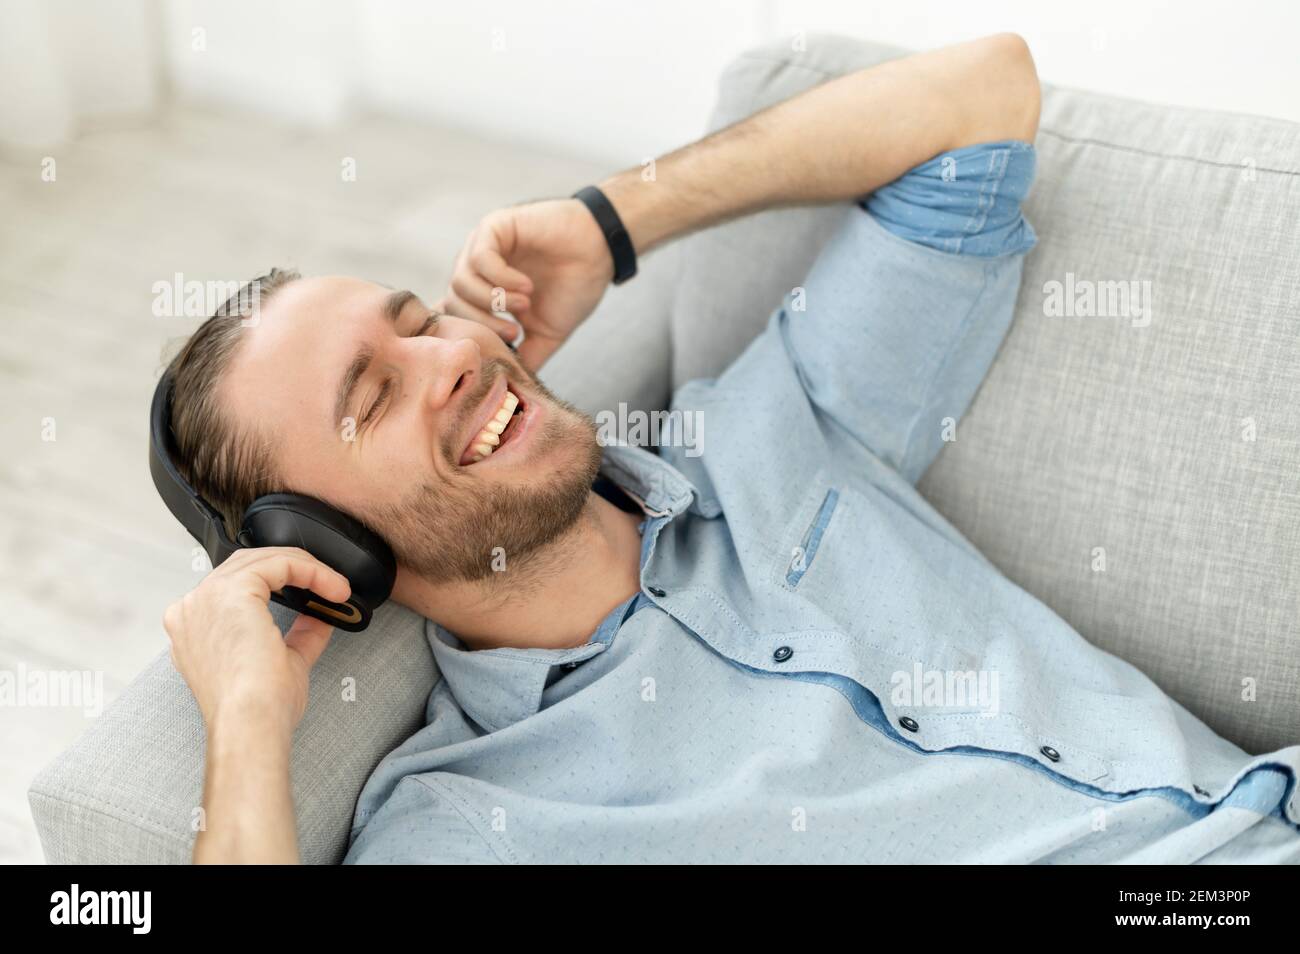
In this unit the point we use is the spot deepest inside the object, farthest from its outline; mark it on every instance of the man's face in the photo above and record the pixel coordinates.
(375, 405)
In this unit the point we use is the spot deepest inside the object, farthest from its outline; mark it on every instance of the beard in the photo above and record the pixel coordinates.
(468, 530)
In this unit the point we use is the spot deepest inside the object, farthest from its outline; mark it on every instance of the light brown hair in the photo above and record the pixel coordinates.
(229, 466)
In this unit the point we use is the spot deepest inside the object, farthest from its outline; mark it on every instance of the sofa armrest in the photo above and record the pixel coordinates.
(129, 790)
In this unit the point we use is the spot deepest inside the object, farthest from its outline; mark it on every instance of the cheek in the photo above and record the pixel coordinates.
(406, 451)
(409, 454)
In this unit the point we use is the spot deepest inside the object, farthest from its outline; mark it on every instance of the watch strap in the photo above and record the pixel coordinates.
(616, 237)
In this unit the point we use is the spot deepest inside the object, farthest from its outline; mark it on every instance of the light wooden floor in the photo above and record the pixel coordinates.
(89, 557)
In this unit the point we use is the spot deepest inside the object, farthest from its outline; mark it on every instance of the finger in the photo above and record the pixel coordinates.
(478, 291)
(172, 619)
(308, 637)
(236, 559)
(490, 264)
(283, 567)
(244, 556)
(445, 305)
(461, 308)
(506, 329)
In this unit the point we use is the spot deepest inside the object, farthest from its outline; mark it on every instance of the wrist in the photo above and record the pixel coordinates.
(695, 187)
(240, 720)
(618, 243)
(636, 202)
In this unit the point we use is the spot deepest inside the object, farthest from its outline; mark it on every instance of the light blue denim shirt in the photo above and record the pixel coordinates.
(819, 667)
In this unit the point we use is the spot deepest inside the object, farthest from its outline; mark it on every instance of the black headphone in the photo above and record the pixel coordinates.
(277, 520)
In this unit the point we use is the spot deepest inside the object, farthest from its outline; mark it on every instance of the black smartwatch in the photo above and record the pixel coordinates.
(616, 237)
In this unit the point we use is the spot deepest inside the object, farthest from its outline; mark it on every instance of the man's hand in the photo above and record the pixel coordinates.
(228, 647)
(251, 686)
(545, 262)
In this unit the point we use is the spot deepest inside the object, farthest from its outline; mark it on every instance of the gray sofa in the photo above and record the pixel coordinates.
(1138, 474)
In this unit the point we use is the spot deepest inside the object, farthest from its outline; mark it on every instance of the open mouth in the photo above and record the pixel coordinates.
(496, 431)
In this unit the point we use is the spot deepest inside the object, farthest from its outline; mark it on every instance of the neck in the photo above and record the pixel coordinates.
(552, 600)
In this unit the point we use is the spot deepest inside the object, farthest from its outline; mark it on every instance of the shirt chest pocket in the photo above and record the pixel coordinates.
(804, 552)
(812, 544)
(873, 572)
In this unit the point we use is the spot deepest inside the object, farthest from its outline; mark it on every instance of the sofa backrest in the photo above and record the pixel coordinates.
(1139, 473)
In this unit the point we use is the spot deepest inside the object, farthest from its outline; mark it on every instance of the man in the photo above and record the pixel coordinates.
(712, 661)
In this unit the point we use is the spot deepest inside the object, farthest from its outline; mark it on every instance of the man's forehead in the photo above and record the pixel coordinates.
(337, 294)
(303, 332)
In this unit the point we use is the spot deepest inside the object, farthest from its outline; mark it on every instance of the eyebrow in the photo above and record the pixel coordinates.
(394, 304)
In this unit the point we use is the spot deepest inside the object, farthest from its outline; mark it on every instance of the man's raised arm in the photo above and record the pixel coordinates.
(548, 264)
(837, 141)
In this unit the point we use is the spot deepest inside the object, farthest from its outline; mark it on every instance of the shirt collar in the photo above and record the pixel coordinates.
(499, 687)
(659, 487)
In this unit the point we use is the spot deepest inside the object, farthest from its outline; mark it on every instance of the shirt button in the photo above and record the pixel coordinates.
(783, 653)
(910, 724)
(1050, 753)
(655, 591)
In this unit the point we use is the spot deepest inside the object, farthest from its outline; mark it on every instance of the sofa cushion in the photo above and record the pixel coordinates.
(1138, 477)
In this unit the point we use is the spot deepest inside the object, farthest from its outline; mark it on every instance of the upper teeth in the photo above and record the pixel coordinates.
(490, 436)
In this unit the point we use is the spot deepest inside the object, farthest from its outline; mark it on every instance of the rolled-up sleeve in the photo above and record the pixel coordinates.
(904, 310)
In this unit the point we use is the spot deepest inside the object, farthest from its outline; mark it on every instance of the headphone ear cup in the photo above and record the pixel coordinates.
(337, 540)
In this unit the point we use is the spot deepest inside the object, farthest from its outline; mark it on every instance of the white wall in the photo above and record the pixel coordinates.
(617, 80)
(66, 64)
(1239, 55)
(295, 59)
(622, 80)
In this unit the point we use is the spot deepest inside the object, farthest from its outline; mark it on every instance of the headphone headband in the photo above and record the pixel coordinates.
(195, 514)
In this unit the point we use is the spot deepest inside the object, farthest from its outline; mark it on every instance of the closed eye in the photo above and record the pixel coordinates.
(385, 390)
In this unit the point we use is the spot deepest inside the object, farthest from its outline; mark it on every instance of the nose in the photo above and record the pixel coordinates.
(454, 364)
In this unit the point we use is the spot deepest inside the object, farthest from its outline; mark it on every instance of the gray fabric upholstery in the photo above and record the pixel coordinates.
(128, 789)
(1095, 433)
(1088, 433)
(1098, 433)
